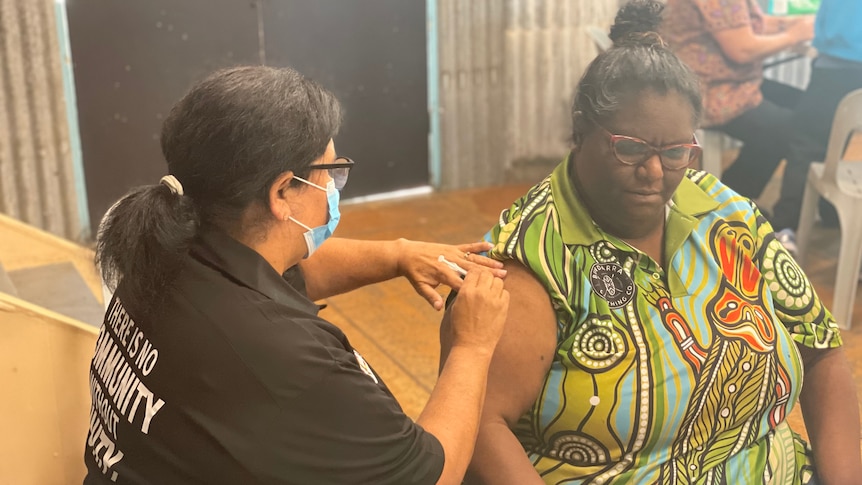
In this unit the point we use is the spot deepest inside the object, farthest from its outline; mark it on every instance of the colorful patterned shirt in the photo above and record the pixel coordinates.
(729, 89)
(682, 374)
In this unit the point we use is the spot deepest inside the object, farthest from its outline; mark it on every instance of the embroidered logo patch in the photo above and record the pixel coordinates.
(612, 284)
(365, 367)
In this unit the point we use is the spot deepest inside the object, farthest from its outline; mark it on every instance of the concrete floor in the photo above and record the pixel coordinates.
(397, 331)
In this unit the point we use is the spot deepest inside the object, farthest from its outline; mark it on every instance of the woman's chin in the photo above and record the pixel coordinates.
(635, 222)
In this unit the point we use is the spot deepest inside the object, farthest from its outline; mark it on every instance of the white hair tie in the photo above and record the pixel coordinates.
(172, 183)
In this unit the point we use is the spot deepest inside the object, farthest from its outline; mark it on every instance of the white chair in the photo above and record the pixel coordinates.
(839, 182)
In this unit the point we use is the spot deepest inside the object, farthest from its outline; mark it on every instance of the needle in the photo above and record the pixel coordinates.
(452, 266)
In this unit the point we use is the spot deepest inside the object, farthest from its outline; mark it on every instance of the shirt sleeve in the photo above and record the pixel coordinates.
(349, 429)
(721, 15)
(796, 303)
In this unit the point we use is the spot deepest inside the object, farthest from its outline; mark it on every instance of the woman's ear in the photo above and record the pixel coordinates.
(279, 194)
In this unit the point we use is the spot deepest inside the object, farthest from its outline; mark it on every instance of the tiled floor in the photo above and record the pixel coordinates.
(397, 331)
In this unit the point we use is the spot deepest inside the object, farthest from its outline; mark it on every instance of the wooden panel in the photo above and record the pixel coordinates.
(44, 359)
(23, 246)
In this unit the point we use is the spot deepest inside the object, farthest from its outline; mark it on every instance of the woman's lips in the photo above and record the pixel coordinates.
(644, 196)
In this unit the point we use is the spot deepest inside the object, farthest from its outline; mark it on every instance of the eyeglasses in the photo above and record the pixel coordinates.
(634, 151)
(338, 170)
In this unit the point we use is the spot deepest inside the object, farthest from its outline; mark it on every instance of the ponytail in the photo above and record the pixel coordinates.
(142, 242)
(225, 142)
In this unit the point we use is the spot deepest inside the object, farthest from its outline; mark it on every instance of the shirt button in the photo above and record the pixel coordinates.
(656, 276)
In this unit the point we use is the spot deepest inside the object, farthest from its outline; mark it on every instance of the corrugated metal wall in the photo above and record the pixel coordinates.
(507, 72)
(508, 69)
(36, 177)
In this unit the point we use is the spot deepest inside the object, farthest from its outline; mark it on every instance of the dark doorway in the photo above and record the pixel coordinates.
(371, 54)
(133, 60)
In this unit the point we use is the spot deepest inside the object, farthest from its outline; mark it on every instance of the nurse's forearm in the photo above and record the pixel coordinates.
(341, 265)
(453, 410)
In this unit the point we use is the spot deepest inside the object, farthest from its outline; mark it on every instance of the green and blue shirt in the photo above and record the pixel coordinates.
(676, 374)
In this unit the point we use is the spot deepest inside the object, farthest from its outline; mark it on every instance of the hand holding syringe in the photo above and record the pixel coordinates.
(452, 266)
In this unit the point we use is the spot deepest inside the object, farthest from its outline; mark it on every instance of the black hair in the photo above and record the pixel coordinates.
(638, 60)
(226, 141)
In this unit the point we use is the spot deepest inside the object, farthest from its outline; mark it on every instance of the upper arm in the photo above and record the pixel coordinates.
(795, 302)
(730, 26)
(525, 351)
(736, 43)
(335, 267)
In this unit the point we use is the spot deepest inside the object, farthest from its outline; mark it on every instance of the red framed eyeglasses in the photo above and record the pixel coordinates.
(634, 151)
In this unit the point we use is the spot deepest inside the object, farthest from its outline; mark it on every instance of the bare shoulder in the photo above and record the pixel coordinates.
(530, 308)
(526, 350)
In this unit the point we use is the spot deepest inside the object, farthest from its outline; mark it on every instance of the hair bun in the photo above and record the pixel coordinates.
(637, 23)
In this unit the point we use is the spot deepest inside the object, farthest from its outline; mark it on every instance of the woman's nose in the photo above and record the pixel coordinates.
(651, 168)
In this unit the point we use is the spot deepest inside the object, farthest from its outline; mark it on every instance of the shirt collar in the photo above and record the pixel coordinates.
(244, 265)
(690, 204)
(576, 225)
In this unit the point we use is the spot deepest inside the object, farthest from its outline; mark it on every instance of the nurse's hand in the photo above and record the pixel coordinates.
(479, 312)
(420, 263)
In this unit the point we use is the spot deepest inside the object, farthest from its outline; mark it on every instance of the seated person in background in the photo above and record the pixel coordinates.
(724, 42)
(835, 72)
(657, 331)
(211, 367)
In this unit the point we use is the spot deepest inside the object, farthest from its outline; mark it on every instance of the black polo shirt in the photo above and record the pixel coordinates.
(235, 379)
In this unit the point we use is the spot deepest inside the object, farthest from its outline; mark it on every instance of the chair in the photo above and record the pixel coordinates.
(839, 182)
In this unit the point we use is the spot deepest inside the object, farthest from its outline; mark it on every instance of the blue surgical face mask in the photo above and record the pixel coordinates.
(315, 237)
